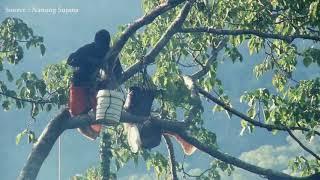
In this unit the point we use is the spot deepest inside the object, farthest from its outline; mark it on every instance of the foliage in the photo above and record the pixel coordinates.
(289, 102)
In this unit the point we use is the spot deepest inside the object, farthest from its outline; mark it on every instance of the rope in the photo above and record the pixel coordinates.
(59, 158)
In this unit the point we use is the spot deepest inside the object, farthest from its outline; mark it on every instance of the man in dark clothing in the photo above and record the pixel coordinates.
(87, 62)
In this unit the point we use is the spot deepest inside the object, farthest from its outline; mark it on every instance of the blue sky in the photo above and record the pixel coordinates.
(64, 33)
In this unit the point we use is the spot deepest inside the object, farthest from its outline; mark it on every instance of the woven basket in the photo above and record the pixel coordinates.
(109, 105)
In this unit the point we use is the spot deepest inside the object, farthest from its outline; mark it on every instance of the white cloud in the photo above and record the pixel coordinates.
(267, 156)
(274, 157)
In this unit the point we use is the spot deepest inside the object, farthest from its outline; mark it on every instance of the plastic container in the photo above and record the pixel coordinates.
(109, 105)
(133, 136)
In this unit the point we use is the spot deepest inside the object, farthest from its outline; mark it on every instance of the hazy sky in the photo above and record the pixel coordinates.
(64, 33)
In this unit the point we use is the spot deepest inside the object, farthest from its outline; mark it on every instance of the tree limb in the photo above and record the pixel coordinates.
(132, 28)
(172, 159)
(165, 38)
(268, 173)
(40, 101)
(211, 59)
(43, 146)
(269, 127)
(287, 38)
(63, 121)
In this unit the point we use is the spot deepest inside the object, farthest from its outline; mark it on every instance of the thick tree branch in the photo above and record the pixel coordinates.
(63, 121)
(248, 119)
(165, 38)
(172, 159)
(268, 173)
(132, 28)
(287, 38)
(43, 146)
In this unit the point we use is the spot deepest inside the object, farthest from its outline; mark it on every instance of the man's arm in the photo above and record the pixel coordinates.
(117, 69)
(80, 57)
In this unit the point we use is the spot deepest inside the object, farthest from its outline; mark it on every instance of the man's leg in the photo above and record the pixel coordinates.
(93, 101)
(79, 103)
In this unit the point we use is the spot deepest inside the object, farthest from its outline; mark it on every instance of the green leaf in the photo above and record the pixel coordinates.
(20, 135)
(229, 114)
(31, 137)
(35, 110)
(307, 61)
(28, 44)
(148, 164)
(42, 49)
(6, 105)
(217, 108)
(244, 125)
(1, 66)
(48, 107)
(313, 9)
(9, 75)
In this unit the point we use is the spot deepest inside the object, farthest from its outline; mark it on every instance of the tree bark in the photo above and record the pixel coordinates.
(43, 146)
(63, 121)
(105, 156)
(172, 159)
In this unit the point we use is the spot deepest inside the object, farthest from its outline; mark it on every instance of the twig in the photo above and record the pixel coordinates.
(302, 145)
(269, 127)
(40, 101)
(191, 175)
(205, 69)
(287, 38)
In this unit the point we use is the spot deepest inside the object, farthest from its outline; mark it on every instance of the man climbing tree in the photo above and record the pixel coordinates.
(87, 62)
(192, 38)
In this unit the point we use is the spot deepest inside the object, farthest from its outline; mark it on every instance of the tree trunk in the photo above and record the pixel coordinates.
(105, 156)
(43, 146)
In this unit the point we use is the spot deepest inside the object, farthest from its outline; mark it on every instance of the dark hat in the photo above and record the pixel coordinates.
(102, 37)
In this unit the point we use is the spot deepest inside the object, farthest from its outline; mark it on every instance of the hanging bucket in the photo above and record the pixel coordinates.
(139, 102)
(109, 105)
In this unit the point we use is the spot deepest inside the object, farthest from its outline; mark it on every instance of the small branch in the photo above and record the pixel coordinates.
(211, 59)
(271, 46)
(150, 57)
(173, 165)
(287, 38)
(196, 176)
(195, 58)
(269, 127)
(302, 145)
(1, 51)
(191, 175)
(40, 101)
